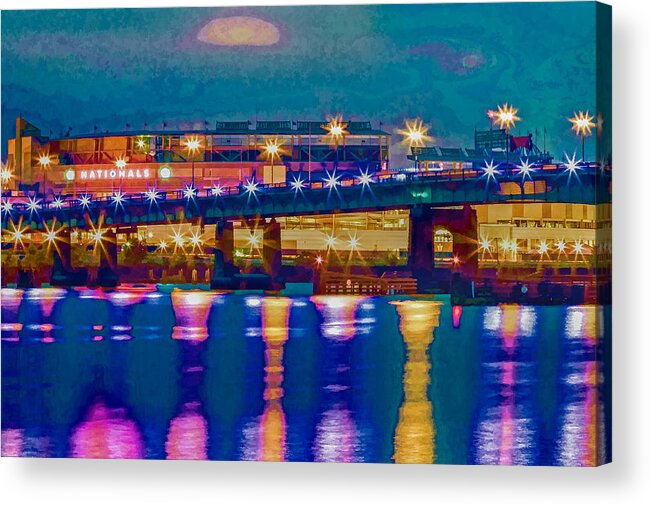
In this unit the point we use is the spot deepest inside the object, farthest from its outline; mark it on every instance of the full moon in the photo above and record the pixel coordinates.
(239, 31)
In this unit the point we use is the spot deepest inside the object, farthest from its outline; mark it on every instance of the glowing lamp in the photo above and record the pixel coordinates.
(178, 239)
(44, 160)
(506, 116)
(97, 235)
(330, 241)
(253, 240)
(582, 123)
(69, 175)
(193, 144)
(271, 148)
(50, 236)
(415, 133)
(353, 242)
(543, 248)
(336, 128)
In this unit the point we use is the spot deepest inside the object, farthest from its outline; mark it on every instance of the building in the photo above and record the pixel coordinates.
(489, 145)
(535, 233)
(227, 154)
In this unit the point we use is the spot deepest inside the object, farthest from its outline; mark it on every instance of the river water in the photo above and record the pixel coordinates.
(147, 372)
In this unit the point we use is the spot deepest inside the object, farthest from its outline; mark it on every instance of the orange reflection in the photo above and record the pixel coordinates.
(510, 318)
(275, 322)
(191, 310)
(414, 436)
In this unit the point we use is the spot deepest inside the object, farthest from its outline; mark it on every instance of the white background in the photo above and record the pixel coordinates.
(626, 481)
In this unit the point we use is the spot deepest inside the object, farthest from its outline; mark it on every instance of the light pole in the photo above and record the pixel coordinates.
(272, 151)
(336, 131)
(414, 135)
(505, 117)
(582, 124)
(193, 144)
(44, 161)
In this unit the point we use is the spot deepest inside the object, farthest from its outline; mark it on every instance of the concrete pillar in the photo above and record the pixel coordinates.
(62, 272)
(107, 275)
(223, 268)
(62, 250)
(224, 240)
(465, 242)
(272, 259)
(462, 224)
(421, 247)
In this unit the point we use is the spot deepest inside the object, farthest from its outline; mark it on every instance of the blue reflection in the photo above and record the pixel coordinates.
(140, 373)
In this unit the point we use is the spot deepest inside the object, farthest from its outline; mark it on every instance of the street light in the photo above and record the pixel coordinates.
(192, 144)
(505, 117)
(336, 129)
(5, 175)
(44, 161)
(414, 135)
(273, 149)
(582, 124)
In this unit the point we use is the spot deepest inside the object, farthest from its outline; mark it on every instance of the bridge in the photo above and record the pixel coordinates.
(424, 193)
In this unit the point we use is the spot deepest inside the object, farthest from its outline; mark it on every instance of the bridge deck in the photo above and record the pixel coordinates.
(398, 191)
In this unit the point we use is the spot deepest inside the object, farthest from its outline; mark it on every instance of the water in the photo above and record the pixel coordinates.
(142, 373)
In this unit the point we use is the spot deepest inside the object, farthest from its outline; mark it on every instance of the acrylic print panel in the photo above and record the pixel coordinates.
(371, 233)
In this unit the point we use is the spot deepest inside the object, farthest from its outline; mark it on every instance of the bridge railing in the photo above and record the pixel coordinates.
(296, 182)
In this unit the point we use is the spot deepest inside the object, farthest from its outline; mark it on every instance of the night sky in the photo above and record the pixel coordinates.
(447, 64)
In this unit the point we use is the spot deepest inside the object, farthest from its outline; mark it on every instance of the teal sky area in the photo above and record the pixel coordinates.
(447, 64)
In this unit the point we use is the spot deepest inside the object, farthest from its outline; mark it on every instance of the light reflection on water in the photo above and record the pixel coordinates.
(140, 373)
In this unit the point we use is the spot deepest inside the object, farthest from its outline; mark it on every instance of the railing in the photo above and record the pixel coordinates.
(297, 183)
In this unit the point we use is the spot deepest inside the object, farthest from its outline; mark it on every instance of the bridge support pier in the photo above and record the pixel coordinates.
(421, 247)
(272, 259)
(223, 268)
(461, 223)
(63, 273)
(107, 275)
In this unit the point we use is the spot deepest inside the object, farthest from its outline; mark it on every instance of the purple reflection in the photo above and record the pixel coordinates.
(106, 433)
(187, 438)
(336, 437)
(505, 434)
(12, 443)
(10, 302)
(581, 437)
(338, 314)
